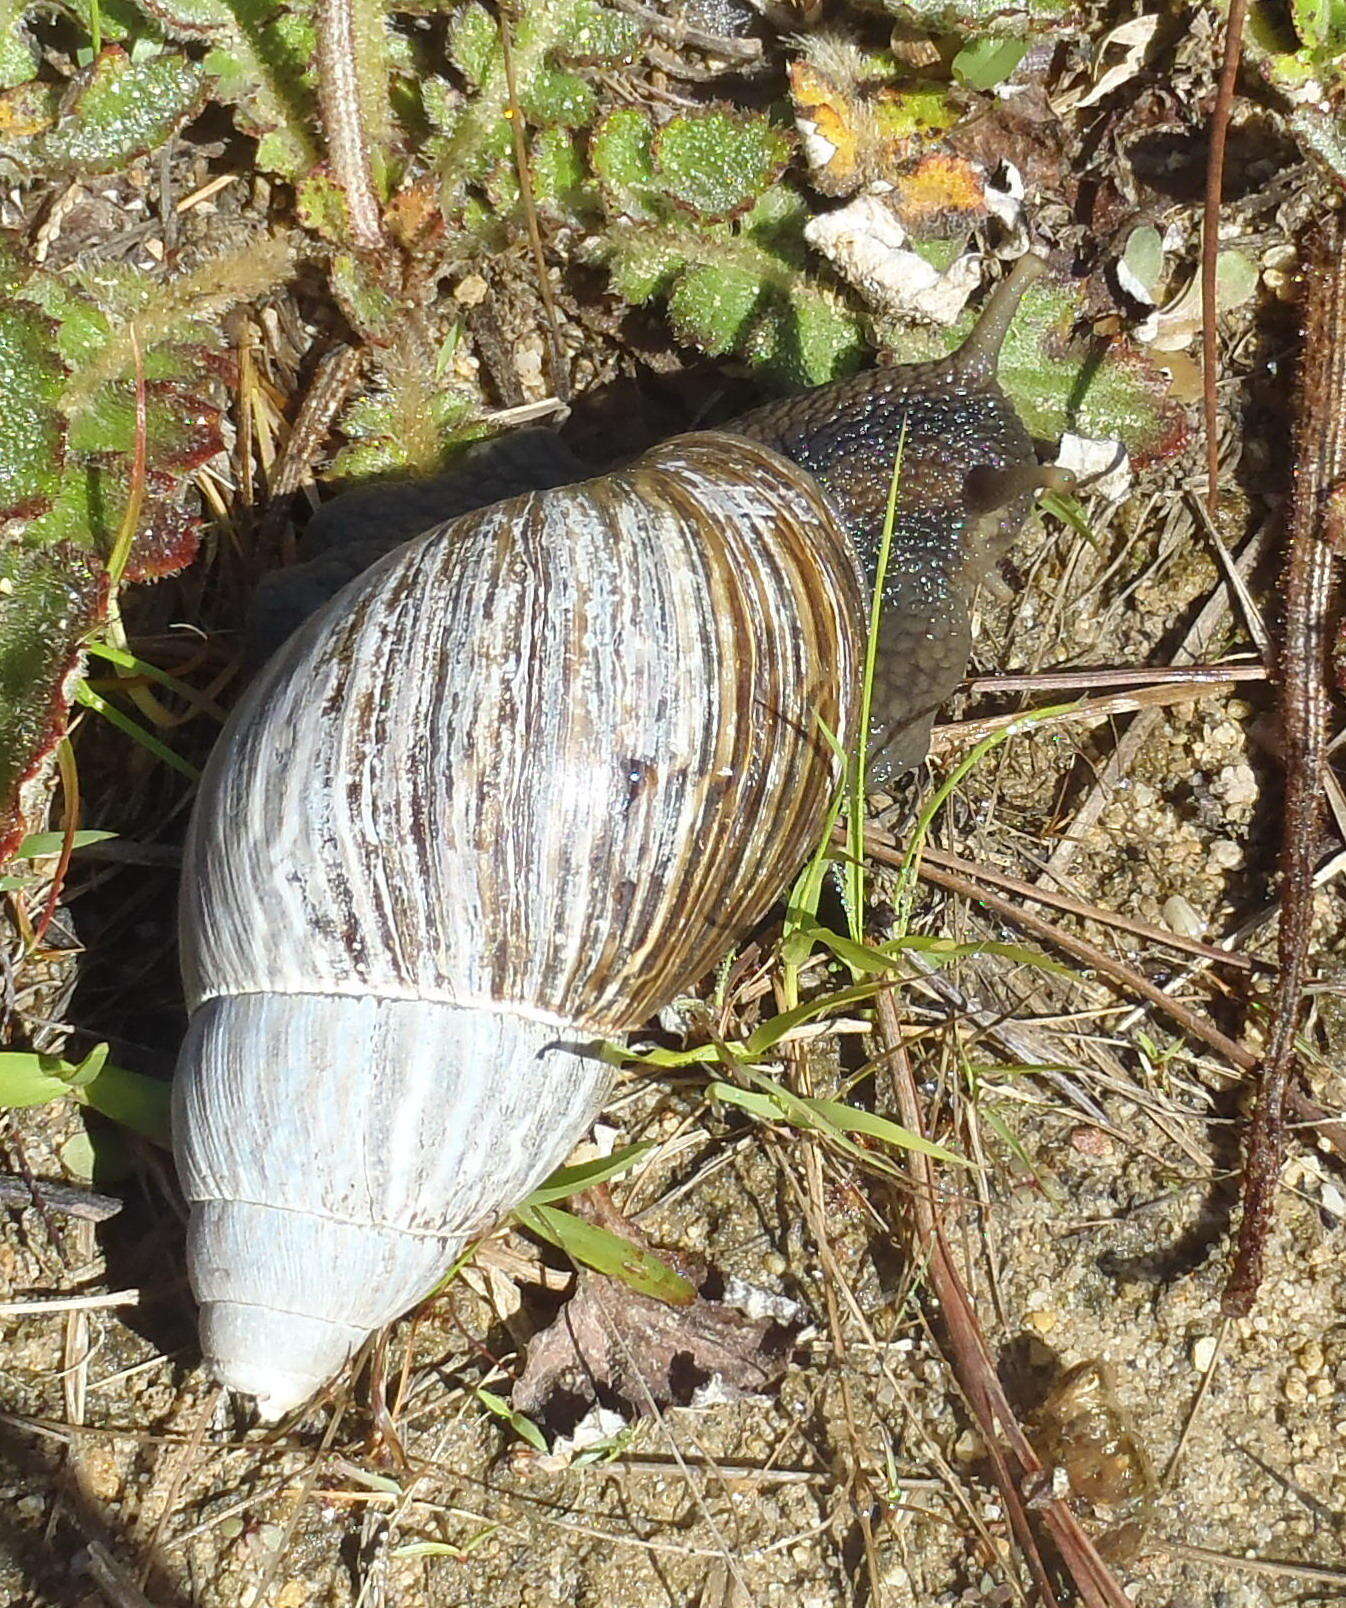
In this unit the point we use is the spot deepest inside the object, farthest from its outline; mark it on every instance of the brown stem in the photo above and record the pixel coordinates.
(1210, 243)
(1013, 1460)
(1316, 526)
(343, 121)
(560, 380)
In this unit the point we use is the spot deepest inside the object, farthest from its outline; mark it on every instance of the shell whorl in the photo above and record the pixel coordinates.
(420, 1124)
(520, 784)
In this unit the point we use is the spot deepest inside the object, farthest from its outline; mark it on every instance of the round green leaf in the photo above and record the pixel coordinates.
(716, 163)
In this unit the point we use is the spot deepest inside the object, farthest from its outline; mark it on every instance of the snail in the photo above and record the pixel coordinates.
(517, 785)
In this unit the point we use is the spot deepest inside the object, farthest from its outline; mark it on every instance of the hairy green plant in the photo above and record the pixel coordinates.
(697, 213)
(100, 367)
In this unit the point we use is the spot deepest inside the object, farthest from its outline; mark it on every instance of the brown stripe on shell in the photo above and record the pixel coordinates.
(559, 754)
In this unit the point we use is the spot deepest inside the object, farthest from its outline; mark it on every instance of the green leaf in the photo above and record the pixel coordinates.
(102, 1157)
(37, 844)
(555, 97)
(561, 184)
(473, 41)
(806, 339)
(620, 151)
(119, 108)
(864, 959)
(371, 308)
(30, 1079)
(135, 1101)
(851, 1119)
(712, 305)
(644, 262)
(1144, 258)
(597, 35)
(113, 19)
(1320, 24)
(983, 63)
(776, 222)
(32, 437)
(50, 599)
(409, 422)
(260, 61)
(772, 1031)
(716, 163)
(567, 1181)
(18, 54)
(322, 208)
(524, 1427)
(773, 1102)
(607, 1253)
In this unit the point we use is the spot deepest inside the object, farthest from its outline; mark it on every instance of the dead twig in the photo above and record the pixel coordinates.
(1087, 912)
(1316, 530)
(61, 1200)
(1210, 243)
(959, 734)
(1116, 676)
(1013, 1459)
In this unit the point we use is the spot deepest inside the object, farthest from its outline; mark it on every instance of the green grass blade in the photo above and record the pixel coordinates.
(855, 878)
(607, 1253)
(85, 694)
(37, 844)
(571, 1180)
(141, 667)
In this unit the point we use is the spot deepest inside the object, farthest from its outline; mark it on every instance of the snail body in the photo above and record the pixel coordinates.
(518, 784)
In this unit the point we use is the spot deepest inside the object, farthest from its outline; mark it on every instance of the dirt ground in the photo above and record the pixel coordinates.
(1095, 1232)
(1207, 1458)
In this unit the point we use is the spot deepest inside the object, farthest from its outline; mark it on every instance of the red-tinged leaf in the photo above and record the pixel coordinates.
(166, 541)
(49, 601)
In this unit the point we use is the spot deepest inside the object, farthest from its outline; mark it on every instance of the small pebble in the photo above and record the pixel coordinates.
(471, 290)
(1236, 785)
(1092, 1142)
(1296, 1387)
(1203, 1352)
(1042, 1320)
(1224, 855)
(1310, 1358)
(1180, 917)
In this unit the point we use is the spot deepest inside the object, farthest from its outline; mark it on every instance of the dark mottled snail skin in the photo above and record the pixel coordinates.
(968, 476)
(967, 481)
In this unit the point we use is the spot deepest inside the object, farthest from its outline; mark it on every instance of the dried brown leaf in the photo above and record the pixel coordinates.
(608, 1341)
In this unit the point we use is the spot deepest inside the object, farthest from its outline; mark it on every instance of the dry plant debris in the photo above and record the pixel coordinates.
(610, 1341)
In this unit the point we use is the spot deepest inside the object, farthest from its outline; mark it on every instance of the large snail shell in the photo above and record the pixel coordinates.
(507, 794)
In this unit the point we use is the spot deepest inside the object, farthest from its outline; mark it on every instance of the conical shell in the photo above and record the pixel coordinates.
(511, 791)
